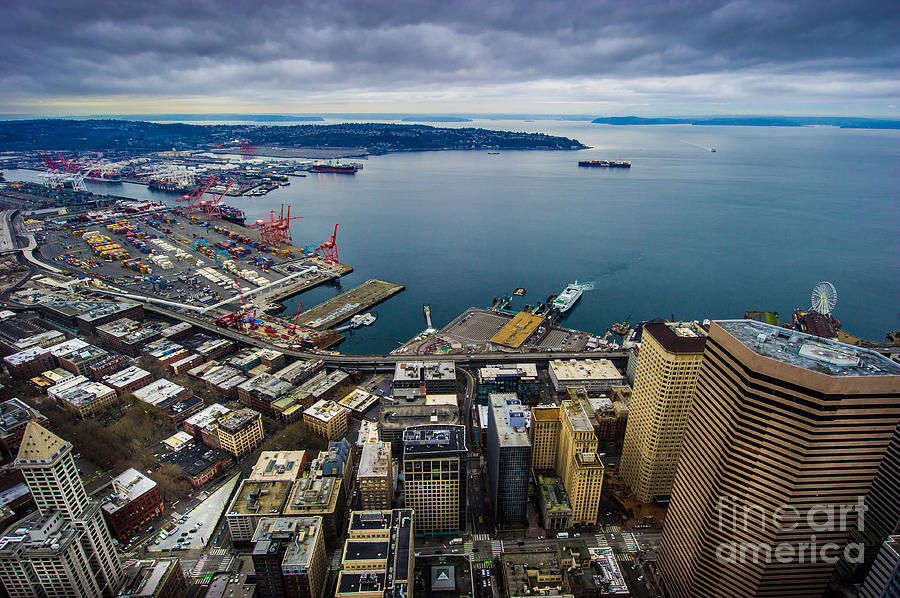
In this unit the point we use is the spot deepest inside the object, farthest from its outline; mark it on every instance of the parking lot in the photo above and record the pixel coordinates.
(191, 530)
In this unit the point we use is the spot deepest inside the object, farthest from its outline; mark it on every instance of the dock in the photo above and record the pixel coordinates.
(346, 305)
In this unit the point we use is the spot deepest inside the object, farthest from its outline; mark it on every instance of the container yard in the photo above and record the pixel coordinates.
(199, 265)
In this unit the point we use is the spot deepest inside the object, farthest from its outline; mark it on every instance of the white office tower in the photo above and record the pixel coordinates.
(65, 549)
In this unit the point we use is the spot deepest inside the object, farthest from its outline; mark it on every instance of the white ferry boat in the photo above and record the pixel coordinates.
(565, 300)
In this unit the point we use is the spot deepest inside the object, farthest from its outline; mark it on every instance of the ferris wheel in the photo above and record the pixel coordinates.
(824, 298)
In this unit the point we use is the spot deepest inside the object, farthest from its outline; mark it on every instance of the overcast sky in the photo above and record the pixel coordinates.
(69, 57)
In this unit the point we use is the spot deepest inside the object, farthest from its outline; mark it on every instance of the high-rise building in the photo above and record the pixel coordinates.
(434, 477)
(375, 477)
(509, 458)
(563, 439)
(785, 428)
(66, 546)
(544, 433)
(663, 392)
(883, 580)
(289, 557)
(378, 556)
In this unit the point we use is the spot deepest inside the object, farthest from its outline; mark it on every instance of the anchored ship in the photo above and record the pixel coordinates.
(338, 167)
(565, 300)
(605, 163)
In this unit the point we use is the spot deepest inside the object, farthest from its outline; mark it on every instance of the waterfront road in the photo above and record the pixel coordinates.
(359, 362)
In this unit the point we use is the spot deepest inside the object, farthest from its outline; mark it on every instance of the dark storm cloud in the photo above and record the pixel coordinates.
(253, 51)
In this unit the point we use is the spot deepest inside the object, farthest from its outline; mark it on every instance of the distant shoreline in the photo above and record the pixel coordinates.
(756, 121)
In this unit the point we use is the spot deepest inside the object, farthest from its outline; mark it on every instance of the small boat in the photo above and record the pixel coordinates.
(493, 153)
(366, 319)
(519, 292)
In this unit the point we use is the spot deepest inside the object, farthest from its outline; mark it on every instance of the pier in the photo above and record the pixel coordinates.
(346, 305)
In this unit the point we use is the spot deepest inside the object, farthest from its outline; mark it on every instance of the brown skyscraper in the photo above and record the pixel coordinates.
(784, 437)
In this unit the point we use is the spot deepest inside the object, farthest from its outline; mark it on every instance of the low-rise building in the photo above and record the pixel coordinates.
(88, 315)
(183, 365)
(201, 463)
(204, 425)
(553, 501)
(178, 401)
(519, 378)
(254, 501)
(57, 375)
(301, 371)
(163, 352)
(594, 375)
(77, 360)
(245, 359)
(417, 378)
(358, 401)
(135, 500)
(128, 380)
(176, 332)
(30, 362)
(289, 557)
(327, 419)
(45, 339)
(260, 391)
(108, 365)
(240, 432)
(83, 396)
(274, 466)
(376, 476)
(129, 336)
(162, 578)
(214, 348)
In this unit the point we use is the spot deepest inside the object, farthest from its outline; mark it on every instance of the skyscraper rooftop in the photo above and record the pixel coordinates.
(809, 352)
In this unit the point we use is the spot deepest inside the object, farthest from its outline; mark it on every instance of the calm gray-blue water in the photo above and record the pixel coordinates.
(685, 232)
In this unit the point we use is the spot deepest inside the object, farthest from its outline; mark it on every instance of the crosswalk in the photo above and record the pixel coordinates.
(624, 558)
(496, 548)
(630, 542)
(467, 546)
(481, 537)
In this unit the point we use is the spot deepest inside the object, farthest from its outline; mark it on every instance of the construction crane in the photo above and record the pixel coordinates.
(292, 327)
(276, 229)
(195, 197)
(212, 207)
(329, 250)
(236, 319)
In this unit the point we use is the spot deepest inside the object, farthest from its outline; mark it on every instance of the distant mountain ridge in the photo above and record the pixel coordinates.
(844, 122)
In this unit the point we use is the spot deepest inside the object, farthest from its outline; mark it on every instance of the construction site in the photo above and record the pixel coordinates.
(197, 258)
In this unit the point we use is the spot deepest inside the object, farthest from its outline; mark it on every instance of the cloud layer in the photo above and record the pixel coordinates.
(59, 57)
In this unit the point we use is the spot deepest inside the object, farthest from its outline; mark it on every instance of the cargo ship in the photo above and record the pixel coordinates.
(166, 185)
(605, 163)
(336, 167)
(103, 179)
(232, 214)
(569, 297)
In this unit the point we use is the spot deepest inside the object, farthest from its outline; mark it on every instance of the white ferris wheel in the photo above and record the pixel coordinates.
(824, 298)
